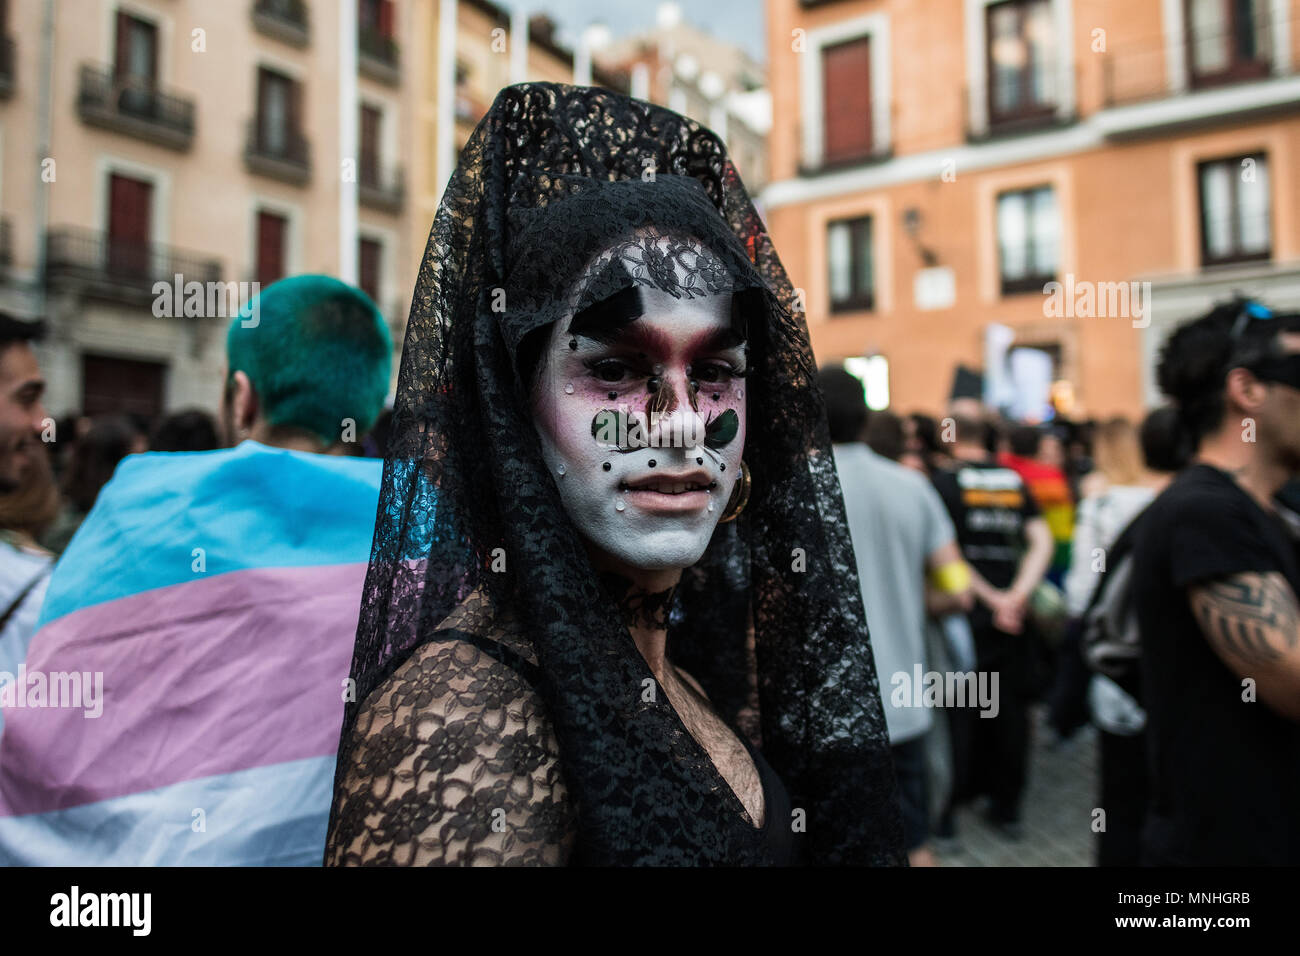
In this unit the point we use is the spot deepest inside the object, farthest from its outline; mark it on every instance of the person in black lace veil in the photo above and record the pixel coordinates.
(604, 358)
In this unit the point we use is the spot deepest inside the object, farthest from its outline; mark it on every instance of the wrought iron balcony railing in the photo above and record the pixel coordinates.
(117, 268)
(380, 187)
(377, 56)
(286, 20)
(135, 106)
(283, 154)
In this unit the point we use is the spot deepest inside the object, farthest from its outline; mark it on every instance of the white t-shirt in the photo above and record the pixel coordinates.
(896, 520)
(1097, 523)
(19, 567)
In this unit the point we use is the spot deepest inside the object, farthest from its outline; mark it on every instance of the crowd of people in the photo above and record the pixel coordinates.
(754, 623)
(1137, 576)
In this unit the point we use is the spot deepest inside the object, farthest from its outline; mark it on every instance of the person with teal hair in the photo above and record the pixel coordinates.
(217, 592)
(308, 364)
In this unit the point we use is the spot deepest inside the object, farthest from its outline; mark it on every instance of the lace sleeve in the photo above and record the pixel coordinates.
(453, 761)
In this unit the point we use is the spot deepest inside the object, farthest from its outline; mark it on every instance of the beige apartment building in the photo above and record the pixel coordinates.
(141, 140)
(936, 164)
(145, 139)
(485, 61)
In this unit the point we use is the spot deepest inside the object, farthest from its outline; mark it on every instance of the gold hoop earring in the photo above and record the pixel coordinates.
(739, 496)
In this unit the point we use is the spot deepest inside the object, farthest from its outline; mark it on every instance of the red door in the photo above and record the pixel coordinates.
(130, 205)
(369, 257)
(271, 231)
(111, 386)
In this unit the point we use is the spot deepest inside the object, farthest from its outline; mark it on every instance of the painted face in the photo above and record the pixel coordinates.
(641, 413)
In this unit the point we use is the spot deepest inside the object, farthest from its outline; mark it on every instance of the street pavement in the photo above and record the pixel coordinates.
(1057, 810)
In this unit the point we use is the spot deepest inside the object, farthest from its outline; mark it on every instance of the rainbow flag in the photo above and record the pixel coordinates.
(181, 700)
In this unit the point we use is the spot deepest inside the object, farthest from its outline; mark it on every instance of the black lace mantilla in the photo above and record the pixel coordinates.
(500, 714)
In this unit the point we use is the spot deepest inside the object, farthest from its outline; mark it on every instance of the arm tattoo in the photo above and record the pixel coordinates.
(1253, 617)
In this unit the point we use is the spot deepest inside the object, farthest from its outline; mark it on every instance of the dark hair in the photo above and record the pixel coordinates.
(14, 330)
(1025, 440)
(1197, 356)
(1165, 445)
(970, 430)
(885, 435)
(190, 430)
(846, 406)
(95, 458)
(927, 432)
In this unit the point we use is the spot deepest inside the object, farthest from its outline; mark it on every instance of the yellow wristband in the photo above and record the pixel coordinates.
(952, 578)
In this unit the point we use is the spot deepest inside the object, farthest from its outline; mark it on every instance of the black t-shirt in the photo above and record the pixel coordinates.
(1225, 773)
(989, 505)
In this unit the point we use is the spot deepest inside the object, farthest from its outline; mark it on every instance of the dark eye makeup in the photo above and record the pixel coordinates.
(613, 371)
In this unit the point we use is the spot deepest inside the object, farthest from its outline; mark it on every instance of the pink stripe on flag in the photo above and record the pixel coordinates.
(240, 670)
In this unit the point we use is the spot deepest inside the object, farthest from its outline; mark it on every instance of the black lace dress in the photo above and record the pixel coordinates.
(499, 714)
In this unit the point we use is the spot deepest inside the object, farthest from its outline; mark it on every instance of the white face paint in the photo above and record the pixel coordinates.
(652, 508)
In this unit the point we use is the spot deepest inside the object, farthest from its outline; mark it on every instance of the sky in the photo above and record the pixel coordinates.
(738, 21)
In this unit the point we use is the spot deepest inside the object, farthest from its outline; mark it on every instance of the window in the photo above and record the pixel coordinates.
(1021, 61)
(375, 30)
(1227, 40)
(135, 63)
(136, 53)
(1028, 239)
(848, 252)
(375, 17)
(1236, 224)
(369, 259)
(278, 113)
(271, 233)
(846, 100)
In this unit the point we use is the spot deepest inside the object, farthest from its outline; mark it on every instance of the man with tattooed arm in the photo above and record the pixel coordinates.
(1215, 579)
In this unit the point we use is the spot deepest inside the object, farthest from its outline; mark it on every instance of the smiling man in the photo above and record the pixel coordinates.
(21, 388)
(23, 573)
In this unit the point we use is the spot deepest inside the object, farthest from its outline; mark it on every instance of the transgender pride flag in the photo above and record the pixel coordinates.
(218, 595)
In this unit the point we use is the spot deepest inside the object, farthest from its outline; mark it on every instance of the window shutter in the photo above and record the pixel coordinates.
(846, 100)
(271, 231)
(369, 254)
(122, 47)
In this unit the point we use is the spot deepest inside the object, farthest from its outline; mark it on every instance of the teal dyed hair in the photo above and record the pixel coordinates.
(317, 351)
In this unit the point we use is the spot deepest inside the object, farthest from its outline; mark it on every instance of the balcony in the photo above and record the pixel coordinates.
(8, 67)
(1150, 88)
(283, 20)
(102, 267)
(136, 107)
(380, 187)
(813, 157)
(285, 155)
(377, 57)
(1023, 110)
